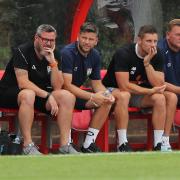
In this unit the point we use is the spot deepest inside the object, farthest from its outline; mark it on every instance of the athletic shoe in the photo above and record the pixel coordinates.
(124, 148)
(157, 147)
(166, 148)
(68, 149)
(91, 149)
(31, 149)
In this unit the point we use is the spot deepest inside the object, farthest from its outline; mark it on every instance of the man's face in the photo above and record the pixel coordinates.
(147, 42)
(173, 38)
(87, 41)
(44, 41)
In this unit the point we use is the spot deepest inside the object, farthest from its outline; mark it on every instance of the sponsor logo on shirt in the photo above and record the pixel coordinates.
(75, 68)
(133, 69)
(89, 70)
(48, 69)
(34, 67)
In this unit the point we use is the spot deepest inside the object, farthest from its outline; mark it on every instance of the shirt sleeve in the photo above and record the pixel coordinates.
(121, 61)
(19, 59)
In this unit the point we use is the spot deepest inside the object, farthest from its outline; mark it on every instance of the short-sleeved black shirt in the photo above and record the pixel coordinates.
(126, 60)
(24, 57)
(79, 66)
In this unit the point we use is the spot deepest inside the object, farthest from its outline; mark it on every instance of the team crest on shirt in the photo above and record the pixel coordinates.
(168, 64)
(48, 69)
(75, 68)
(133, 69)
(89, 70)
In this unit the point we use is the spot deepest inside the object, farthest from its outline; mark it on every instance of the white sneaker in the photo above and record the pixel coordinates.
(31, 149)
(68, 149)
(165, 146)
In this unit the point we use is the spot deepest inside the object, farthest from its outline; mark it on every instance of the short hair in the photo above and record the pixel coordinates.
(150, 29)
(89, 27)
(45, 28)
(172, 23)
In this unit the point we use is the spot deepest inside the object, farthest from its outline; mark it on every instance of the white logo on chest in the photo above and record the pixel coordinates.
(33, 67)
(168, 64)
(89, 70)
(133, 69)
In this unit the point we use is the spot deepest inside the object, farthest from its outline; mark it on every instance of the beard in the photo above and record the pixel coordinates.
(82, 49)
(41, 49)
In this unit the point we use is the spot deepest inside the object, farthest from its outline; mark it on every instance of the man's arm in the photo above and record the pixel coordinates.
(172, 88)
(56, 75)
(98, 97)
(155, 78)
(56, 78)
(24, 83)
(122, 79)
(73, 88)
(97, 85)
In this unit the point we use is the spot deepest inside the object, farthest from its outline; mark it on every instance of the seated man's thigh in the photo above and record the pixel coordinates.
(8, 98)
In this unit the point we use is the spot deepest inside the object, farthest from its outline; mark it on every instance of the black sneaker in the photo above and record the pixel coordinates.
(157, 147)
(124, 148)
(91, 149)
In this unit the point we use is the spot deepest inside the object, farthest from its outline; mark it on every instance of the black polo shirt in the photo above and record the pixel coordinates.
(81, 68)
(126, 60)
(24, 57)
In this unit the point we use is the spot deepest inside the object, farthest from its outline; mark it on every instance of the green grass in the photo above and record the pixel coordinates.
(129, 166)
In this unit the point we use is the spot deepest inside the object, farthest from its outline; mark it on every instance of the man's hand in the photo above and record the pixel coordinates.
(99, 98)
(149, 56)
(53, 105)
(110, 97)
(49, 54)
(159, 89)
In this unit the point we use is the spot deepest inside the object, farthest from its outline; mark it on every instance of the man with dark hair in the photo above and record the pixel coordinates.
(33, 79)
(170, 48)
(138, 69)
(80, 61)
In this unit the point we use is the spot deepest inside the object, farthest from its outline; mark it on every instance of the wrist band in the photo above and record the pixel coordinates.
(47, 97)
(54, 64)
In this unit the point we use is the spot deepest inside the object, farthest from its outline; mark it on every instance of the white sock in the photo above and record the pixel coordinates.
(158, 136)
(165, 140)
(70, 139)
(90, 137)
(122, 136)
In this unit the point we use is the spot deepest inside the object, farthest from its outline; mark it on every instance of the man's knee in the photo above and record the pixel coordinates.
(65, 97)
(122, 97)
(26, 96)
(158, 100)
(171, 98)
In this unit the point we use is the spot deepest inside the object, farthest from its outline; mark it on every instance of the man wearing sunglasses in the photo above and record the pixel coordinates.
(33, 80)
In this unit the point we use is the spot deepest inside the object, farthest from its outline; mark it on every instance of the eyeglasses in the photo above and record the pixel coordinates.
(45, 40)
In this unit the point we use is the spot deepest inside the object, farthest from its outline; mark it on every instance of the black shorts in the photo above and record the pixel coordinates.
(8, 99)
(80, 104)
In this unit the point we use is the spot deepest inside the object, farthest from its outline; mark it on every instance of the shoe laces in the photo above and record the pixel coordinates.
(31, 148)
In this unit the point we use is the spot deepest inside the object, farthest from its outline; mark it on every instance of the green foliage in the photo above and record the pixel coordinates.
(5, 54)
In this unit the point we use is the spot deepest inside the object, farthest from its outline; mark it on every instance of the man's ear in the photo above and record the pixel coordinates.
(97, 40)
(35, 37)
(138, 40)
